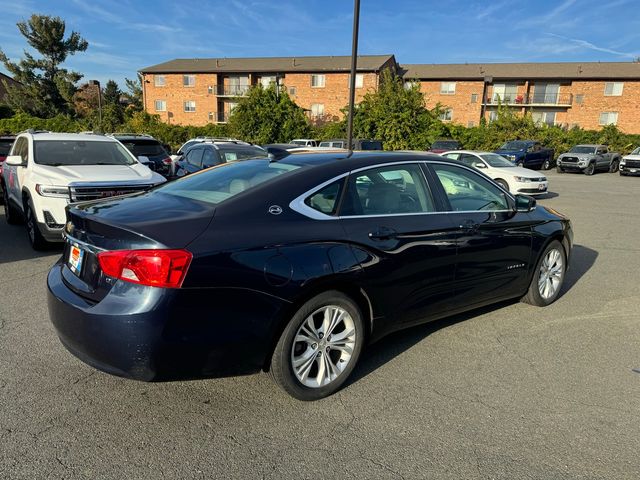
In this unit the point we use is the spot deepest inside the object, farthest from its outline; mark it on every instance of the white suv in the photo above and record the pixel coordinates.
(45, 171)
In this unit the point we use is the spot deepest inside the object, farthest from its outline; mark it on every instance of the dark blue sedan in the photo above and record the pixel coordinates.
(294, 266)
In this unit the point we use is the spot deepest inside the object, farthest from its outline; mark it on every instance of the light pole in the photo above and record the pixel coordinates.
(96, 83)
(352, 79)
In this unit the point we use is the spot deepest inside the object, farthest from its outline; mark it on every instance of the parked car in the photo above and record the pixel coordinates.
(304, 142)
(589, 159)
(293, 266)
(440, 146)
(45, 172)
(528, 154)
(358, 144)
(194, 141)
(513, 179)
(209, 154)
(156, 156)
(5, 145)
(630, 164)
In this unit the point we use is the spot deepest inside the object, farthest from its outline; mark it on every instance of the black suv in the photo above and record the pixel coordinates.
(211, 153)
(146, 146)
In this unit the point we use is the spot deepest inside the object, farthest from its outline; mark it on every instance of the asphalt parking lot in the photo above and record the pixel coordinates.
(508, 392)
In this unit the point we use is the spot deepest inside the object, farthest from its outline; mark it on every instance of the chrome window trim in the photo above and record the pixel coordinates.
(298, 205)
(87, 246)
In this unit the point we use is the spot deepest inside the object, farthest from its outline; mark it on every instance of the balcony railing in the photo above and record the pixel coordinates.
(218, 117)
(231, 90)
(539, 99)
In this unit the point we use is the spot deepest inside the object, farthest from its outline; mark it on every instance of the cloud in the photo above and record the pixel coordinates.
(584, 44)
(555, 16)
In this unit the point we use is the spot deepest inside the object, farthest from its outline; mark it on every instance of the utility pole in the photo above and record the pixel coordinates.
(352, 79)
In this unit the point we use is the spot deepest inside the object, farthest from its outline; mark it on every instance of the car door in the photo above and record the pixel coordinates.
(494, 242)
(602, 158)
(407, 248)
(193, 160)
(15, 174)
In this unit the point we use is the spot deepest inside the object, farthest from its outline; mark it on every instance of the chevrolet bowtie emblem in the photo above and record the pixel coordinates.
(68, 227)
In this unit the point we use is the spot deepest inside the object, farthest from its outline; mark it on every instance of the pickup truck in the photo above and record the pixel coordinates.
(589, 159)
(528, 154)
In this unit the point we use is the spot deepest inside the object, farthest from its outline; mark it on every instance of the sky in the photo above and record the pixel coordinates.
(127, 35)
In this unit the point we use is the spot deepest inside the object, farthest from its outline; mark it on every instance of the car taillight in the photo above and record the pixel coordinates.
(154, 268)
(166, 161)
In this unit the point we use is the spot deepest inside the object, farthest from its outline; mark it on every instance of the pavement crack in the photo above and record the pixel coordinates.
(385, 466)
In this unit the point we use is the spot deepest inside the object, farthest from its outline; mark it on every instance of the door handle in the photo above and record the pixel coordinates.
(383, 233)
(469, 226)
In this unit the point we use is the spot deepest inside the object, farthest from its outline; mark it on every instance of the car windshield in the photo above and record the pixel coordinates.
(80, 152)
(496, 161)
(515, 145)
(582, 149)
(150, 148)
(217, 184)
(636, 151)
(445, 145)
(5, 146)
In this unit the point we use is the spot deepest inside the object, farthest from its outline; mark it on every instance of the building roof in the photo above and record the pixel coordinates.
(526, 71)
(10, 81)
(366, 63)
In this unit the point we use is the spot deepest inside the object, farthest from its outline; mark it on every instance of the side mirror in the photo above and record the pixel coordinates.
(524, 203)
(15, 161)
(479, 165)
(144, 160)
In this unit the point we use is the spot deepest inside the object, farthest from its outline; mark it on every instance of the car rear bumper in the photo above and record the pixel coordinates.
(148, 333)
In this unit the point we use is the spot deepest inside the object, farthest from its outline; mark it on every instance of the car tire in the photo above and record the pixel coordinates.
(622, 174)
(548, 276)
(11, 214)
(614, 167)
(520, 164)
(36, 239)
(590, 169)
(546, 165)
(502, 183)
(304, 362)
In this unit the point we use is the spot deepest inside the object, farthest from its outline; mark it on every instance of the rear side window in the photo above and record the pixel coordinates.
(5, 146)
(326, 199)
(397, 189)
(467, 191)
(194, 157)
(209, 158)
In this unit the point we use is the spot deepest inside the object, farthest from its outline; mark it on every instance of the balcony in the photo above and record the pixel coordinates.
(231, 90)
(531, 100)
(218, 117)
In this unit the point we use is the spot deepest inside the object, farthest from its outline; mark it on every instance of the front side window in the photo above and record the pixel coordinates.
(317, 81)
(392, 190)
(613, 89)
(189, 80)
(317, 109)
(467, 191)
(326, 199)
(21, 149)
(448, 88)
(190, 106)
(158, 80)
(80, 152)
(608, 118)
(161, 105)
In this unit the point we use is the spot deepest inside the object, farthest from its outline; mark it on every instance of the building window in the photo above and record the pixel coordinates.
(446, 115)
(471, 124)
(161, 105)
(359, 80)
(493, 116)
(448, 88)
(579, 98)
(317, 81)
(613, 89)
(292, 91)
(409, 84)
(505, 93)
(268, 80)
(317, 109)
(189, 80)
(158, 80)
(474, 98)
(540, 118)
(609, 118)
(190, 106)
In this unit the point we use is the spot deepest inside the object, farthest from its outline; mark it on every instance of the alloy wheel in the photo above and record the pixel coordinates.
(546, 165)
(30, 225)
(7, 207)
(323, 346)
(550, 275)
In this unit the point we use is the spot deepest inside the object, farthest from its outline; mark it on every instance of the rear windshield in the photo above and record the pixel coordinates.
(370, 145)
(582, 149)
(5, 146)
(79, 152)
(231, 154)
(217, 184)
(144, 147)
(447, 145)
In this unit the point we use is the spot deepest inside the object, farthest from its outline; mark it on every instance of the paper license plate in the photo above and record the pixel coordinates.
(76, 255)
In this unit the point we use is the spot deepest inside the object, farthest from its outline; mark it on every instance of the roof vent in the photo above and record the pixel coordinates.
(217, 62)
(294, 61)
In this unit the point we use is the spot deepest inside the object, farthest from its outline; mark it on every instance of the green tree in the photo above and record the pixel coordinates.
(134, 94)
(111, 93)
(46, 88)
(268, 115)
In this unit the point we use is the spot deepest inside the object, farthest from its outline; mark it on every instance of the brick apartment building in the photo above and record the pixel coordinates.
(201, 91)
(589, 95)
